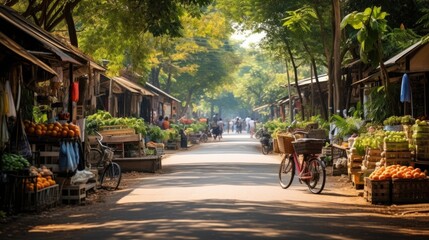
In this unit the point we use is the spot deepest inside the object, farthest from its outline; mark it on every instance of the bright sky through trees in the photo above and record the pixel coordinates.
(247, 37)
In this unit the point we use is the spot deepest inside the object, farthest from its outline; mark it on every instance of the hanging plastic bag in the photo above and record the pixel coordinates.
(76, 152)
(63, 159)
(75, 92)
(71, 156)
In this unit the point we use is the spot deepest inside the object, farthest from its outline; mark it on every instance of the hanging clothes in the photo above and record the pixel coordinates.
(4, 134)
(11, 111)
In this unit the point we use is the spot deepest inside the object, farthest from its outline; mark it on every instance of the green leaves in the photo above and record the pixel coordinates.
(371, 26)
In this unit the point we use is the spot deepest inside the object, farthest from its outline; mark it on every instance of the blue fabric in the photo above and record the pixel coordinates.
(405, 89)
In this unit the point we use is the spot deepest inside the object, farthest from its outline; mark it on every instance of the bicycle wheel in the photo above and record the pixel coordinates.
(93, 157)
(111, 177)
(316, 168)
(286, 171)
(265, 149)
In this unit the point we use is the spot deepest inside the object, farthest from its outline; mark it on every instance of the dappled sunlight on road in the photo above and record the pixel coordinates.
(235, 219)
(227, 190)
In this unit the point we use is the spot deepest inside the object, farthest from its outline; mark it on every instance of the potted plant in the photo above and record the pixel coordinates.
(346, 126)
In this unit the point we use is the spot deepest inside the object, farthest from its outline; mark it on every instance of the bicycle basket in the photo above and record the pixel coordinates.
(317, 133)
(284, 142)
(308, 146)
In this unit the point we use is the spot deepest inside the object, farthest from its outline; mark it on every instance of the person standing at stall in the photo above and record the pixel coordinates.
(165, 123)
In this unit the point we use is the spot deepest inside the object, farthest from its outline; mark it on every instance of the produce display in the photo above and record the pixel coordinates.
(398, 120)
(395, 136)
(14, 162)
(196, 128)
(397, 172)
(58, 130)
(103, 118)
(368, 140)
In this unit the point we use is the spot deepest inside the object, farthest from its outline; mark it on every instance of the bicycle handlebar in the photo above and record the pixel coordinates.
(99, 140)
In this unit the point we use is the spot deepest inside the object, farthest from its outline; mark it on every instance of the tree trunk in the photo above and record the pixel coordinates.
(154, 76)
(337, 56)
(289, 93)
(188, 100)
(328, 55)
(70, 25)
(295, 71)
(322, 99)
(168, 83)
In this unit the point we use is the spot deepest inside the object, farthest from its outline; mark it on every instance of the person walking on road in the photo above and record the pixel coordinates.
(252, 127)
(247, 120)
(220, 124)
(238, 125)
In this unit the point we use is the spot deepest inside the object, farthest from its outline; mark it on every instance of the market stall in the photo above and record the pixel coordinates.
(131, 139)
(383, 162)
(42, 86)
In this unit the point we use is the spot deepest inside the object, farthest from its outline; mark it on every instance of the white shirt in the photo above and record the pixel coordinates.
(252, 123)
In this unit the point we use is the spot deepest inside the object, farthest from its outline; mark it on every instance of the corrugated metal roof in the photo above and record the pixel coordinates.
(306, 81)
(162, 92)
(44, 37)
(402, 54)
(15, 47)
(129, 84)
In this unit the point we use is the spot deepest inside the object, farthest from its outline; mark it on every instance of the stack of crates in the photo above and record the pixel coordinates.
(421, 142)
(354, 162)
(372, 156)
(354, 169)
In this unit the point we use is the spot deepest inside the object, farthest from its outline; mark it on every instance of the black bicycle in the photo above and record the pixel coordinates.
(266, 143)
(102, 159)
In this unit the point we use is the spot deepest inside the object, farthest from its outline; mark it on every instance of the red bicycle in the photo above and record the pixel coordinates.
(302, 155)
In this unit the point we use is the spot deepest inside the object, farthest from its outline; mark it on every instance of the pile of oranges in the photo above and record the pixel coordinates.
(397, 172)
(65, 130)
(41, 183)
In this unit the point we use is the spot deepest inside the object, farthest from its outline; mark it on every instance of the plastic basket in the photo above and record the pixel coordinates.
(285, 143)
(308, 146)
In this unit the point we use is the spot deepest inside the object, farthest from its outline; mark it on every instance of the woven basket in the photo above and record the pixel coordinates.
(276, 145)
(308, 146)
(285, 143)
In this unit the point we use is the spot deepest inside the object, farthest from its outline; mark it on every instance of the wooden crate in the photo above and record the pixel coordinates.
(357, 179)
(373, 158)
(116, 130)
(395, 146)
(373, 152)
(74, 194)
(402, 162)
(422, 152)
(410, 190)
(397, 155)
(377, 192)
